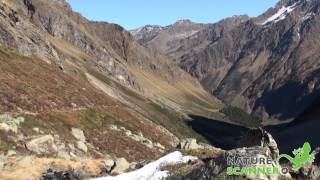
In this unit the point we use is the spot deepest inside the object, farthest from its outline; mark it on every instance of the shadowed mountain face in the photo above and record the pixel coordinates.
(304, 129)
(288, 136)
(267, 65)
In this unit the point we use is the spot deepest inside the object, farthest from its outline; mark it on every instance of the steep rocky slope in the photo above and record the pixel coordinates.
(166, 39)
(267, 65)
(60, 72)
(78, 46)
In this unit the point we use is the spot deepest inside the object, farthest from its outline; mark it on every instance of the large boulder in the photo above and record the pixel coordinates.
(189, 144)
(109, 164)
(82, 146)
(42, 145)
(63, 155)
(78, 134)
(9, 127)
(9, 123)
(121, 165)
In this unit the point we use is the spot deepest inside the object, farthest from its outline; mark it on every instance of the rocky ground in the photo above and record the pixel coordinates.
(48, 157)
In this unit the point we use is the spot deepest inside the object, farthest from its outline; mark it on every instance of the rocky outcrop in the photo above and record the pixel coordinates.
(121, 165)
(82, 146)
(109, 165)
(139, 138)
(166, 39)
(189, 144)
(10, 124)
(42, 145)
(78, 134)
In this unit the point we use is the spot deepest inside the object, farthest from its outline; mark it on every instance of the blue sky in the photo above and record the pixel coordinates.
(136, 13)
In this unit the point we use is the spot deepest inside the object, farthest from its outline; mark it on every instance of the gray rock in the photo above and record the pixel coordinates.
(109, 164)
(159, 146)
(18, 120)
(78, 134)
(57, 174)
(73, 156)
(71, 146)
(121, 166)
(189, 144)
(6, 118)
(63, 155)
(35, 129)
(10, 124)
(82, 146)
(147, 143)
(9, 127)
(42, 145)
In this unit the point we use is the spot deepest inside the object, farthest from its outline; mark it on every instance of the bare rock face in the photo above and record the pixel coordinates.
(265, 65)
(190, 144)
(166, 39)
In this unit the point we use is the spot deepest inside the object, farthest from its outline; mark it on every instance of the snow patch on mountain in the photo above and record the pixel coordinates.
(146, 29)
(152, 171)
(308, 16)
(281, 14)
(186, 34)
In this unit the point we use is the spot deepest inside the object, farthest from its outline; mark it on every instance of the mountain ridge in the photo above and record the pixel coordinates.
(238, 63)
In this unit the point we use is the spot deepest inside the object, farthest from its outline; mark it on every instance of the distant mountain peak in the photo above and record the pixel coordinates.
(183, 21)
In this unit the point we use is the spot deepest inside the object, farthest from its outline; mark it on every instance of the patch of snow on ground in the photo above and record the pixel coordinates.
(307, 16)
(281, 14)
(152, 171)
